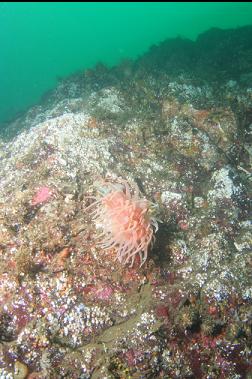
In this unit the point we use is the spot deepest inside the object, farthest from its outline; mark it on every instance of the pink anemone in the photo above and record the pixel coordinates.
(125, 220)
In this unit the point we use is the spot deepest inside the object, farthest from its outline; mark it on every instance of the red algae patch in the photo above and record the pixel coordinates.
(42, 195)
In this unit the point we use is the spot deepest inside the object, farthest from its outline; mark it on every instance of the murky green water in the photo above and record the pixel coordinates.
(42, 42)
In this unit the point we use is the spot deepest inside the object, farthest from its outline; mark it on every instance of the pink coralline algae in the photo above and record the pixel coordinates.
(126, 220)
(104, 293)
(42, 195)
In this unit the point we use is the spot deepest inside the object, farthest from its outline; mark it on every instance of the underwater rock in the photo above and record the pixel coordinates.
(68, 308)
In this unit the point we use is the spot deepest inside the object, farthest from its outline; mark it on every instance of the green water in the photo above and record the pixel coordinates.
(40, 42)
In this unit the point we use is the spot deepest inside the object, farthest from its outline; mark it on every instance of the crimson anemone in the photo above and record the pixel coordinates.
(126, 220)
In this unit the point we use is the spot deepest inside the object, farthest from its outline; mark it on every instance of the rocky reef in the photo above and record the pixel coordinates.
(177, 122)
